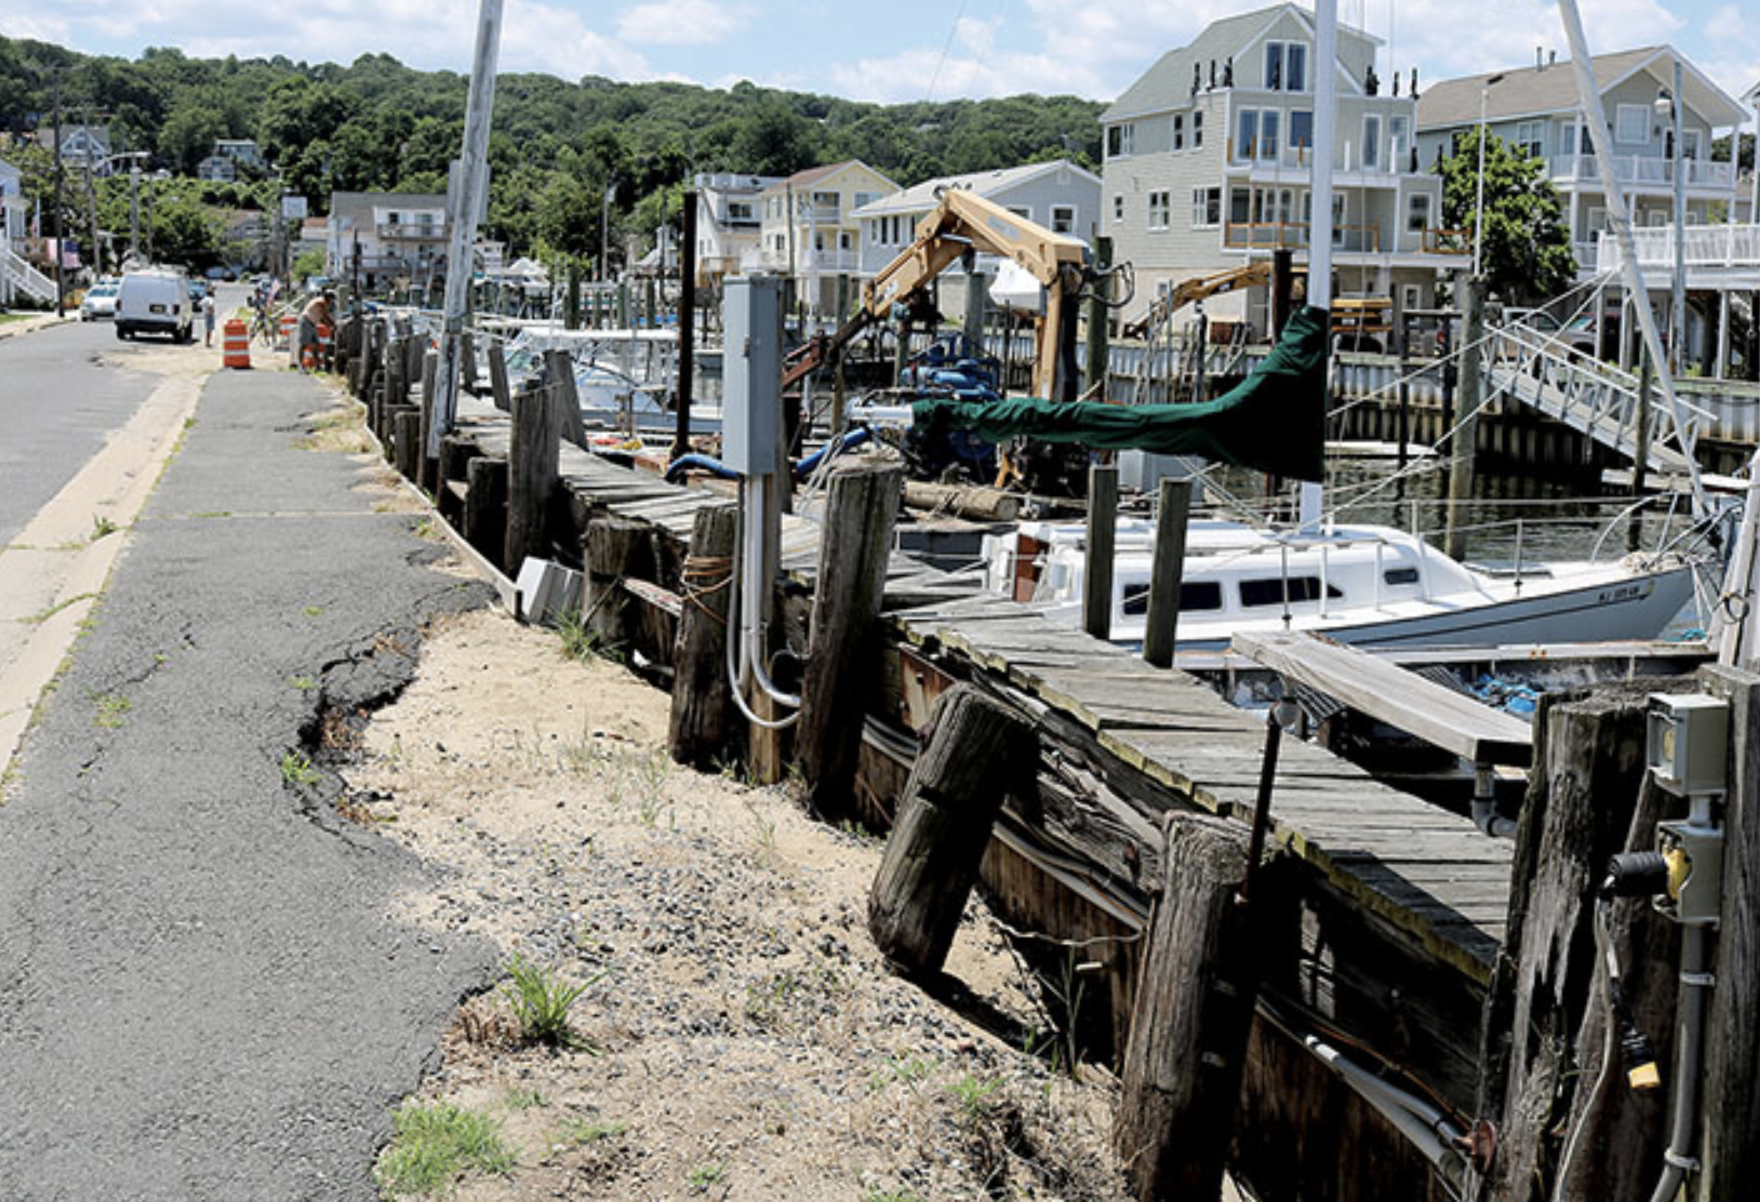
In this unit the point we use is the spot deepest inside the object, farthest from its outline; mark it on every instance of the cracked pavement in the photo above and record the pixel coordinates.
(204, 989)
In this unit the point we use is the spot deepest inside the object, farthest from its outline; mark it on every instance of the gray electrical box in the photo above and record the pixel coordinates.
(751, 389)
(1688, 743)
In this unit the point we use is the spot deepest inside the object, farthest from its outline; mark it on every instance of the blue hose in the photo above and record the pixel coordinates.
(691, 460)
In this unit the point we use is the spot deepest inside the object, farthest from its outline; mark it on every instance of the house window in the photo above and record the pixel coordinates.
(1063, 219)
(1399, 141)
(1158, 210)
(1179, 131)
(843, 243)
(1690, 142)
(1021, 211)
(1274, 66)
(1240, 206)
(1118, 208)
(1301, 130)
(1258, 130)
(1411, 297)
(1197, 129)
(1632, 125)
(1371, 141)
(1530, 138)
(866, 198)
(1338, 215)
(1295, 68)
(739, 211)
(1418, 212)
(1118, 141)
(1206, 207)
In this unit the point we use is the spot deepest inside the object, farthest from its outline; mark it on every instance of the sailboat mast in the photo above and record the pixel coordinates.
(1320, 189)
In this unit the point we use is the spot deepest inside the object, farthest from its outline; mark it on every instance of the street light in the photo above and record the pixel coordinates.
(1668, 109)
(1479, 203)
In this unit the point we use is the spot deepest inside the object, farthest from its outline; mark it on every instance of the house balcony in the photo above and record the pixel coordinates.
(1655, 170)
(429, 231)
(1265, 169)
(1720, 254)
(1360, 239)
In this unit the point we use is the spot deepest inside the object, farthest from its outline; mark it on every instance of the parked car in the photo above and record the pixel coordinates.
(100, 301)
(1578, 334)
(155, 302)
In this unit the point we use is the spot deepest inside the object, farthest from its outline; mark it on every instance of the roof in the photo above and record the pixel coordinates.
(1168, 84)
(1536, 91)
(813, 175)
(921, 197)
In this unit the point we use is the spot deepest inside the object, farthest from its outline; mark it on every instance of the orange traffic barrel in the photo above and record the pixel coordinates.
(236, 344)
(287, 324)
(315, 355)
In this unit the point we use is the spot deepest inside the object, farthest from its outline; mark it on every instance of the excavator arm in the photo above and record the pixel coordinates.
(1197, 288)
(964, 223)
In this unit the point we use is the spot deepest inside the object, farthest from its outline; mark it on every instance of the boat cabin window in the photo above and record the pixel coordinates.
(1269, 591)
(1193, 595)
(1405, 576)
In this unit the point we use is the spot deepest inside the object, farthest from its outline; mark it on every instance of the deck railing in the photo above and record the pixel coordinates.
(1641, 169)
(1719, 246)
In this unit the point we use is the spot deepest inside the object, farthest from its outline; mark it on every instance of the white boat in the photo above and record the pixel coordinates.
(625, 378)
(1359, 584)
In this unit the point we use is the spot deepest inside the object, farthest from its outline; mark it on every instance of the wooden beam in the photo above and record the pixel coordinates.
(702, 701)
(1161, 629)
(1102, 536)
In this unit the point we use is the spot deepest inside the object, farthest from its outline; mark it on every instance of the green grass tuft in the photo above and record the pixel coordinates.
(296, 770)
(540, 999)
(437, 1144)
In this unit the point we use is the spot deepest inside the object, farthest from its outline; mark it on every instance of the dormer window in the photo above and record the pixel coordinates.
(1286, 67)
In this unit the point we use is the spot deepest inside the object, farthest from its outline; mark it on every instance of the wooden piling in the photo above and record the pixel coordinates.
(531, 477)
(702, 699)
(687, 326)
(1161, 631)
(498, 378)
(1102, 537)
(455, 456)
(1194, 1006)
(1464, 448)
(428, 466)
(1588, 759)
(843, 657)
(957, 786)
(406, 437)
(467, 364)
(485, 507)
(1094, 380)
(565, 396)
(614, 548)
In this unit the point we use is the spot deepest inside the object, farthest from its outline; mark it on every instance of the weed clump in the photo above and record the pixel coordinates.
(541, 1000)
(435, 1145)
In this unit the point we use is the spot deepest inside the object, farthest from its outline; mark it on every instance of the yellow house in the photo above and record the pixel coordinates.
(809, 230)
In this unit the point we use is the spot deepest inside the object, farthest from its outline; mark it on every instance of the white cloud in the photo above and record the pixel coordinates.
(680, 22)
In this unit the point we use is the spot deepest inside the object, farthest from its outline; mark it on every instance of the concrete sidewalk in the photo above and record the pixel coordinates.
(204, 991)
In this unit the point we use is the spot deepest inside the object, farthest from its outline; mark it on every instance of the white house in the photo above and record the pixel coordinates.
(1209, 158)
(1059, 196)
(729, 217)
(807, 226)
(230, 157)
(400, 234)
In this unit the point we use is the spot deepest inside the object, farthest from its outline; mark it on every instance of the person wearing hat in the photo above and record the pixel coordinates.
(317, 313)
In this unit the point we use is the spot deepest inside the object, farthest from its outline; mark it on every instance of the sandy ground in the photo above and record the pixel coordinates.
(745, 1039)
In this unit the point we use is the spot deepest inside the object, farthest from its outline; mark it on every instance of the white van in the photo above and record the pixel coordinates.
(155, 302)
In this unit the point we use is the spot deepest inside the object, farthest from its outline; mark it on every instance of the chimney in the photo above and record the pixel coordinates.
(1551, 57)
(1538, 65)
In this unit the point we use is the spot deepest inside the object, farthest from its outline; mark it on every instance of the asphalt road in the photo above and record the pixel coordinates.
(57, 405)
(204, 989)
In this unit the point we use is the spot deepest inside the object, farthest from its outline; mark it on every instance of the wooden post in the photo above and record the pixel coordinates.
(1641, 450)
(1189, 1024)
(1730, 1108)
(842, 656)
(531, 477)
(1404, 429)
(1094, 384)
(427, 466)
(976, 749)
(498, 378)
(1588, 759)
(565, 396)
(702, 699)
(571, 298)
(467, 367)
(687, 326)
(485, 507)
(1161, 631)
(406, 435)
(455, 457)
(615, 548)
(977, 299)
(1102, 536)
(1465, 447)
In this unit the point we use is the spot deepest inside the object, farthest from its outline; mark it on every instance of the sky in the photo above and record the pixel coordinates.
(897, 50)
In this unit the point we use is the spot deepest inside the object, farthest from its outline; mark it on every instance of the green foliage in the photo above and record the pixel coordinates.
(307, 264)
(1527, 253)
(434, 1145)
(297, 770)
(541, 999)
(556, 148)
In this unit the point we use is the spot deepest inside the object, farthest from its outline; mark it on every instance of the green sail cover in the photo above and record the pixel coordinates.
(1275, 420)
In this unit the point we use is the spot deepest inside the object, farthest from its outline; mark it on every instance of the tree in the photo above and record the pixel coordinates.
(1527, 255)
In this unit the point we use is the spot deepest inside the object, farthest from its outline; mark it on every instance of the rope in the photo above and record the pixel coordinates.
(705, 575)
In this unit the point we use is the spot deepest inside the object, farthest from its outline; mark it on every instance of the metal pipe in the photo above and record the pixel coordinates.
(1695, 986)
(1678, 334)
(1320, 188)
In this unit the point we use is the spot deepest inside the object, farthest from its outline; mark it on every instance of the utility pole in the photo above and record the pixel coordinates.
(473, 191)
(60, 250)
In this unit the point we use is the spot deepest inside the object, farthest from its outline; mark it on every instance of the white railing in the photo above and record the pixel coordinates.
(1642, 169)
(1720, 246)
(20, 274)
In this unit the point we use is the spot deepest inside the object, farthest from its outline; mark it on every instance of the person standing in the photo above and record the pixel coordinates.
(317, 313)
(207, 319)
